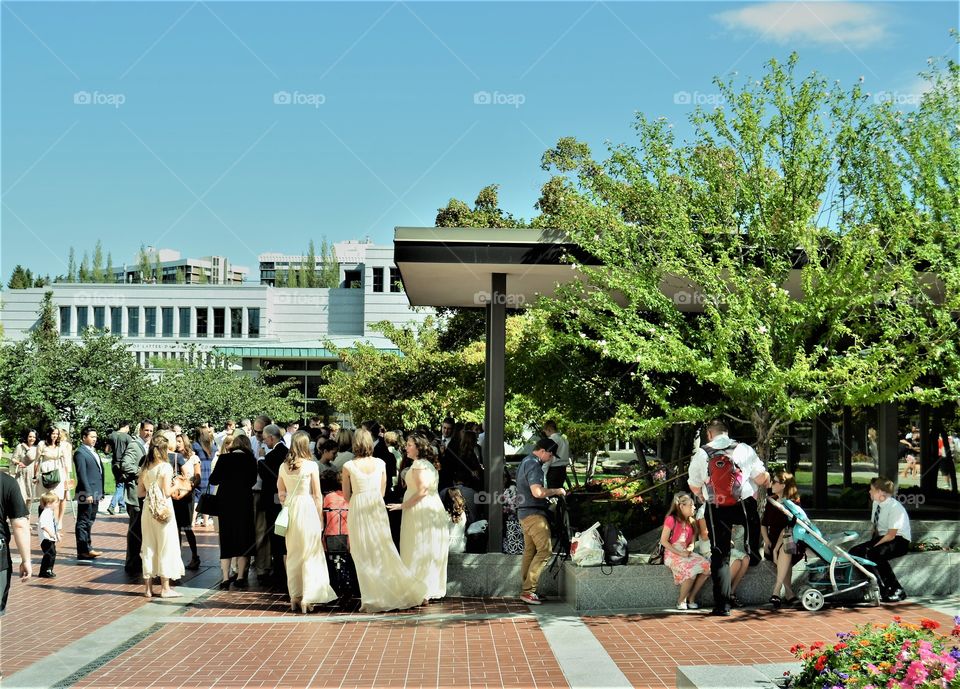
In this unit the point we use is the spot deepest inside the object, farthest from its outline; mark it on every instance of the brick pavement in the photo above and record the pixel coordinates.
(251, 639)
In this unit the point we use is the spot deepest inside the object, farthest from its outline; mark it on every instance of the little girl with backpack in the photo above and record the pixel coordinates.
(690, 570)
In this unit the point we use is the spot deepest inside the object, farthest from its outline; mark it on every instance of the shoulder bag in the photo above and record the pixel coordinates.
(283, 519)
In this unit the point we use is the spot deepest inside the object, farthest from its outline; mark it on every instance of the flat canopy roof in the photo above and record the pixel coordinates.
(453, 266)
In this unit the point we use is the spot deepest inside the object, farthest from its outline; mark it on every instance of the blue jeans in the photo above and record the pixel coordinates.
(117, 499)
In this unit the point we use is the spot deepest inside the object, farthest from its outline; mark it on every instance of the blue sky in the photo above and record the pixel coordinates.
(237, 128)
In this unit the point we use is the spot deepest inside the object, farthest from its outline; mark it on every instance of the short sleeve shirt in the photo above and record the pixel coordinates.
(893, 515)
(743, 455)
(530, 473)
(12, 506)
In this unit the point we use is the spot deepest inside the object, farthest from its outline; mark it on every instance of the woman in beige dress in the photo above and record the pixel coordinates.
(51, 456)
(160, 549)
(22, 461)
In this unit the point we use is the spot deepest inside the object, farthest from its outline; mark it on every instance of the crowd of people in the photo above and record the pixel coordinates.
(326, 511)
(364, 511)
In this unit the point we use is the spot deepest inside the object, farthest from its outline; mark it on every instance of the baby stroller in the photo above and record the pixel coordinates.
(836, 571)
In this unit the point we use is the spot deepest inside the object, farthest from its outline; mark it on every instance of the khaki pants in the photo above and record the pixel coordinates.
(536, 550)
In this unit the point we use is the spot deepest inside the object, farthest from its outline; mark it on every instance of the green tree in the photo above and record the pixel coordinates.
(330, 268)
(42, 281)
(214, 391)
(21, 278)
(204, 277)
(71, 266)
(157, 269)
(96, 274)
(181, 276)
(719, 266)
(143, 265)
(311, 268)
(85, 274)
(110, 276)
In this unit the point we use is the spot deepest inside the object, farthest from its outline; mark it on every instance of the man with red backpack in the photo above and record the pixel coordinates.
(723, 474)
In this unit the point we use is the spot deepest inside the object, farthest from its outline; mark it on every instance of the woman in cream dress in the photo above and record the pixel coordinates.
(424, 534)
(385, 583)
(298, 487)
(160, 549)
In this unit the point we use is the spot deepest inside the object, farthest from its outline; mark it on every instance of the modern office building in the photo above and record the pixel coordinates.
(258, 325)
(213, 270)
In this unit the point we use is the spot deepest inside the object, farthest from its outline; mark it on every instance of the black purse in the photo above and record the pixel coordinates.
(208, 504)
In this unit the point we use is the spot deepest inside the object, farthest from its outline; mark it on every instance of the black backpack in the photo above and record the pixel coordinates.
(560, 531)
(615, 551)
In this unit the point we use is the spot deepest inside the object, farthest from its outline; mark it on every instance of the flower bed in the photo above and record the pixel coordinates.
(898, 655)
(609, 501)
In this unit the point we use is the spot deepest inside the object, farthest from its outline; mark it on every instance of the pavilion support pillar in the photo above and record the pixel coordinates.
(929, 456)
(494, 408)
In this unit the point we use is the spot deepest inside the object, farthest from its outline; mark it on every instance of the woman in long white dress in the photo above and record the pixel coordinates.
(160, 549)
(298, 486)
(385, 583)
(424, 535)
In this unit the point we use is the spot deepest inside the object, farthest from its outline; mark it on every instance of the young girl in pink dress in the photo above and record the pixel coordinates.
(690, 570)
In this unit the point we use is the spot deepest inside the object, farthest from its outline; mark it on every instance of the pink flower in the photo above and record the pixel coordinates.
(916, 674)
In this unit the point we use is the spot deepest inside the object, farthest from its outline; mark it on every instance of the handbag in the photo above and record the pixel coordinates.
(208, 504)
(283, 519)
(49, 479)
(157, 503)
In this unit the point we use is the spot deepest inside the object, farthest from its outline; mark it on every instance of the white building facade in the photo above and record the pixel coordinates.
(258, 325)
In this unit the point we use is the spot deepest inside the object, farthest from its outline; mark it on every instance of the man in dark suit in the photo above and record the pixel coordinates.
(89, 491)
(129, 470)
(269, 470)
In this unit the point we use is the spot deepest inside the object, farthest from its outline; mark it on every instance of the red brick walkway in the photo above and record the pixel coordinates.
(250, 639)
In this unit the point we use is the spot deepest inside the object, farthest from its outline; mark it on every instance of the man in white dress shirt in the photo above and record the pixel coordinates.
(707, 471)
(890, 540)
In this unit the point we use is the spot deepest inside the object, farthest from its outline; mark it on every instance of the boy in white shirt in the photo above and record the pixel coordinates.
(49, 534)
(891, 538)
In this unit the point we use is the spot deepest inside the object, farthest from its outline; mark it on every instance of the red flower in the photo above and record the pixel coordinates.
(839, 646)
(956, 631)
(799, 647)
(817, 644)
(821, 663)
(897, 618)
(929, 624)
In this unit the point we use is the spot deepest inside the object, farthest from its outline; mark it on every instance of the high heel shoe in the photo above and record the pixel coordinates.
(306, 609)
(295, 605)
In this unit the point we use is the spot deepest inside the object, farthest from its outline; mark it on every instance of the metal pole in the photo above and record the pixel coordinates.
(493, 427)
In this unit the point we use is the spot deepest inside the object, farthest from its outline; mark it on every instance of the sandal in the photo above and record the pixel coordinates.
(776, 602)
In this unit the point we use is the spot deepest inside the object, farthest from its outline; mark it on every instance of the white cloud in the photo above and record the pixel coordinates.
(825, 23)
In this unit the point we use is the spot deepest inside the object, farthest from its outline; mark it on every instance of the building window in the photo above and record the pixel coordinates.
(351, 279)
(236, 322)
(253, 322)
(166, 314)
(116, 320)
(202, 321)
(377, 279)
(150, 321)
(133, 321)
(184, 321)
(65, 320)
(83, 316)
(99, 317)
(396, 285)
(219, 317)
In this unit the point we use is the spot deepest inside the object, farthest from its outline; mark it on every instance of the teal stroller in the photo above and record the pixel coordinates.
(836, 572)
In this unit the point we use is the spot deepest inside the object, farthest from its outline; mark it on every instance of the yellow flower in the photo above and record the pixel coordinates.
(889, 637)
(857, 654)
(864, 642)
(855, 667)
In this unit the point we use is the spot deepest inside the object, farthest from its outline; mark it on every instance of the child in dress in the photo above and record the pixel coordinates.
(49, 533)
(690, 570)
(456, 508)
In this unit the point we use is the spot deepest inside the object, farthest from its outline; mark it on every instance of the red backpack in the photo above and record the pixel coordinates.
(724, 477)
